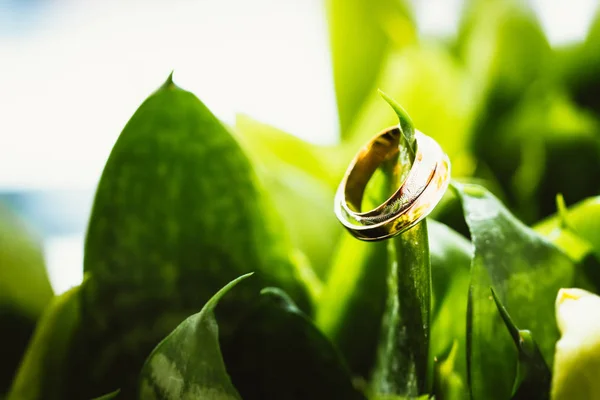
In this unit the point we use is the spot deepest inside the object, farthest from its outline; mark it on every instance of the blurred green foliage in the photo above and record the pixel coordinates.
(24, 290)
(185, 206)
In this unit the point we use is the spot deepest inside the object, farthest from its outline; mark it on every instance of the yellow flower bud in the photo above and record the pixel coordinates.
(577, 360)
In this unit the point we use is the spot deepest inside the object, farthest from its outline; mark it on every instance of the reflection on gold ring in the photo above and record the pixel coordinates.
(414, 199)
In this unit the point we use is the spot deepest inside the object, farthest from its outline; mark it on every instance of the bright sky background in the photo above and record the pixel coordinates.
(73, 72)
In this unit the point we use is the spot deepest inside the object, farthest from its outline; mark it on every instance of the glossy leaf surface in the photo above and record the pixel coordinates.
(523, 268)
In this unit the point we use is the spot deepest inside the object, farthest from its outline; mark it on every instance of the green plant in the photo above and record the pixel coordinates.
(215, 269)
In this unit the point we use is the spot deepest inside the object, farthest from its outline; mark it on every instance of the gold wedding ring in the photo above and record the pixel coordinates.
(414, 199)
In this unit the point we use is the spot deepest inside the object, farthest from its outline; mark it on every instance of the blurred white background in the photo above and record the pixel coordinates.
(73, 72)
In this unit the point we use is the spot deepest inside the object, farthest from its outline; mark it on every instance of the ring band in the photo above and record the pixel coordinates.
(416, 197)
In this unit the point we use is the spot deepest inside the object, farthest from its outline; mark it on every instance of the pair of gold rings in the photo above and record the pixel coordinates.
(414, 199)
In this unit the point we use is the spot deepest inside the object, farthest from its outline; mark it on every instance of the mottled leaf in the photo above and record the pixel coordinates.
(523, 268)
(188, 363)
(178, 213)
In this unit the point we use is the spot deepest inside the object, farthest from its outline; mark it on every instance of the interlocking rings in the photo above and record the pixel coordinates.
(416, 197)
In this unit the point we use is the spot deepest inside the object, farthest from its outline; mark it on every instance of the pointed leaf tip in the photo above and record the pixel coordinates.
(169, 84)
(406, 123)
(561, 208)
(510, 325)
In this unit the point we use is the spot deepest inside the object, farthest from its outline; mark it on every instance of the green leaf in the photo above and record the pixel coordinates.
(582, 219)
(353, 301)
(403, 354)
(577, 66)
(351, 307)
(188, 363)
(361, 32)
(563, 230)
(523, 268)
(504, 49)
(43, 370)
(108, 396)
(533, 375)
(24, 290)
(451, 255)
(527, 149)
(273, 147)
(277, 353)
(402, 361)
(299, 177)
(179, 213)
(392, 397)
(428, 81)
(448, 384)
(24, 284)
(405, 122)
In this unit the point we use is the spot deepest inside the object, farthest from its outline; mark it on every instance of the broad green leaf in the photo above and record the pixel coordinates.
(451, 255)
(277, 353)
(299, 176)
(351, 307)
(505, 52)
(188, 363)
(533, 375)
(43, 370)
(361, 32)
(24, 290)
(352, 304)
(523, 268)
(178, 213)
